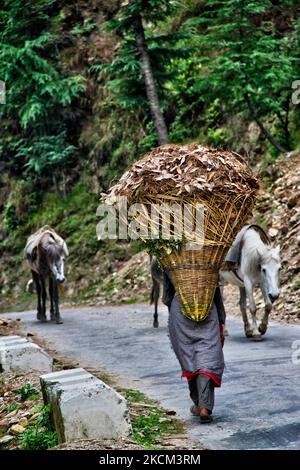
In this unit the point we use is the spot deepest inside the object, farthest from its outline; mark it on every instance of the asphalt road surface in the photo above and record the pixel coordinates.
(258, 405)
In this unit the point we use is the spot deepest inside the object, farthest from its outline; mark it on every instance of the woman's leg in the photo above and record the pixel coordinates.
(194, 390)
(206, 392)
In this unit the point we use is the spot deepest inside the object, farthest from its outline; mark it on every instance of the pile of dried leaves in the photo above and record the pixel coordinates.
(184, 170)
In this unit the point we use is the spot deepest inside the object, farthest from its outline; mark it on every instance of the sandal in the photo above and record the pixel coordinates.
(194, 411)
(204, 418)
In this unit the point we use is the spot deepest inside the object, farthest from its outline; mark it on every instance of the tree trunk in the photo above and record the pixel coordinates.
(157, 116)
(264, 130)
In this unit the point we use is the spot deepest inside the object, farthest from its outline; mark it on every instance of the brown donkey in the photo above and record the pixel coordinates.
(45, 252)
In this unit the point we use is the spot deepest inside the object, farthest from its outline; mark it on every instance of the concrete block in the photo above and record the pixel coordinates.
(17, 354)
(84, 407)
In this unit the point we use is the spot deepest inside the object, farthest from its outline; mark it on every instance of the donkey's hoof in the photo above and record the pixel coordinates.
(262, 329)
(155, 324)
(248, 333)
(257, 337)
(41, 318)
(57, 320)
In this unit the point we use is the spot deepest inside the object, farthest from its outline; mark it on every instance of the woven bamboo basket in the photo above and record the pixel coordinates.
(194, 271)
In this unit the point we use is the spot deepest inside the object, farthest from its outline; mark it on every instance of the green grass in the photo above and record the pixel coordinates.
(136, 396)
(41, 434)
(130, 301)
(296, 286)
(151, 423)
(12, 407)
(28, 392)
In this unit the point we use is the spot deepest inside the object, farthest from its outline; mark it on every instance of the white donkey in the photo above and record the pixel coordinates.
(258, 264)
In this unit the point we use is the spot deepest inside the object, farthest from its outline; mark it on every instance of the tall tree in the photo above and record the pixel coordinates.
(143, 49)
(157, 116)
(248, 64)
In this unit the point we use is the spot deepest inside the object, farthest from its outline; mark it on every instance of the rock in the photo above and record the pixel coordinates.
(4, 425)
(273, 232)
(3, 322)
(165, 420)
(84, 407)
(17, 354)
(17, 430)
(34, 417)
(23, 421)
(295, 217)
(12, 413)
(14, 420)
(292, 201)
(284, 229)
(6, 440)
(278, 192)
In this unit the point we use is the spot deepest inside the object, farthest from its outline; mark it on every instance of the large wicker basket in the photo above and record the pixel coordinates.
(194, 271)
(222, 183)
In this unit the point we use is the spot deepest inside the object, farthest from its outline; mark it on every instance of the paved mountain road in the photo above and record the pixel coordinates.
(258, 406)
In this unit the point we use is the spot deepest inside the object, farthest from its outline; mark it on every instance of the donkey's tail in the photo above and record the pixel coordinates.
(154, 291)
(152, 295)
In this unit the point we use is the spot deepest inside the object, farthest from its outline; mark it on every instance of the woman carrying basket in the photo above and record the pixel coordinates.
(198, 348)
(190, 177)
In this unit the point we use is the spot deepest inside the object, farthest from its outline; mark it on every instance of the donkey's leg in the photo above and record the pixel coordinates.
(155, 297)
(38, 287)
(56, 317)
(249, 291)
(51, 297)
(243, 308)
(268, 307)
(44, 298)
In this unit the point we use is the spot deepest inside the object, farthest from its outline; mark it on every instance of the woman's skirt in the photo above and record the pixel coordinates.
(197, 345)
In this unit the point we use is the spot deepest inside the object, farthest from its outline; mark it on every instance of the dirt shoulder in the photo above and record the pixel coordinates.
(25, 423)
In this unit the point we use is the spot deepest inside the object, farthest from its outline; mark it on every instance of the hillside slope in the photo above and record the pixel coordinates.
(111, 272)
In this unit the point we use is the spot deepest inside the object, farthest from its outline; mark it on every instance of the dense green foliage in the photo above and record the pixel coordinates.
(28, 392)
(225, 58)
(77, 113)
(250, 62)
(124, 73)
(37, 117)
(211, 60)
